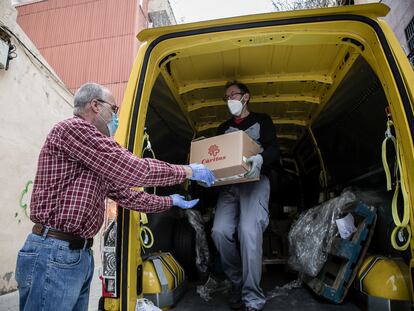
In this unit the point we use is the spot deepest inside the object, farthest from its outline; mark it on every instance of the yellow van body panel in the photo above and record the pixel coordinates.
(395, 272)
(122, 134)
(111, 304)
(369, 10)
(302, 64)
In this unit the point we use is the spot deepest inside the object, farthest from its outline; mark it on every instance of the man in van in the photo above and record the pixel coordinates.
(242, 212)
(79, 166)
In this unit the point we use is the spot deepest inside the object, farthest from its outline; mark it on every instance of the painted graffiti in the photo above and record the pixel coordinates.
(22, 203)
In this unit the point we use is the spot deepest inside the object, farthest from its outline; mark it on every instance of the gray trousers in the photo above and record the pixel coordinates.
(242, 215)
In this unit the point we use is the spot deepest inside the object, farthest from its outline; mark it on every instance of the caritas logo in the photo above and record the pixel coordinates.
(213, 151)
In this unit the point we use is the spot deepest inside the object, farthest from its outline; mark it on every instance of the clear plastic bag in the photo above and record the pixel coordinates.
(283, 290)
(212, 286)
(202, 251)
(311, 235)
(144, 304)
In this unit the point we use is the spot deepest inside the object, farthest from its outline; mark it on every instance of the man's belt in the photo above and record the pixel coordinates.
(75, 242)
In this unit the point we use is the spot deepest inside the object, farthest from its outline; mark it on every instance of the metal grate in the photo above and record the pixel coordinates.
(409, 33)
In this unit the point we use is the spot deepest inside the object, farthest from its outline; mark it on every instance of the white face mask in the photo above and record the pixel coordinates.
(236, 106)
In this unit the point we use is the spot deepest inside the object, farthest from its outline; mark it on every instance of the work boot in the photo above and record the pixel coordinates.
(235, 300)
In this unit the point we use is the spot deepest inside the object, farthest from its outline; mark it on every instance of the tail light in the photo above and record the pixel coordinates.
(109, 251)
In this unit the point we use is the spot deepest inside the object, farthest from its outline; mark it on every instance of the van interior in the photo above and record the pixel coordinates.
(326, 90)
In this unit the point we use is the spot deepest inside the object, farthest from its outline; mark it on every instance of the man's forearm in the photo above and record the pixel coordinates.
(141, 201)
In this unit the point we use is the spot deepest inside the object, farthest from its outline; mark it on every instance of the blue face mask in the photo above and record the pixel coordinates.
(113, 125)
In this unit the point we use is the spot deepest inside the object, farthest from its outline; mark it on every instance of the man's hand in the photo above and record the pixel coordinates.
(202, 173)
(255, 162)
(178, 200)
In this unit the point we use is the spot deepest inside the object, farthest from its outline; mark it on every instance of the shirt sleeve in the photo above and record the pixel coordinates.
(268, 140)
(221, 129)
(140, 200)
(101, 154)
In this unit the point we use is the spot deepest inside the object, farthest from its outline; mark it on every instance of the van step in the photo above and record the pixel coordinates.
(345, 256)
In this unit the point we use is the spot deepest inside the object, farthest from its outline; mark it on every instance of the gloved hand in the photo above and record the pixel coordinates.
(202, 173)
(178, 200)
(255, 162)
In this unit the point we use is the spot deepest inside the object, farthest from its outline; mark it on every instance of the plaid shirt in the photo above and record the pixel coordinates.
(79, 167)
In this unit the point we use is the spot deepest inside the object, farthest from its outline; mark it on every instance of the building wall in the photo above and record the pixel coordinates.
(87, 40)
(33, 100)
(401, 13)
(82, 40)
(160, 13)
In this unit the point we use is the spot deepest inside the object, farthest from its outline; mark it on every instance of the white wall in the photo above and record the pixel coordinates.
(401, 13)
(160, 13)
(32, 100)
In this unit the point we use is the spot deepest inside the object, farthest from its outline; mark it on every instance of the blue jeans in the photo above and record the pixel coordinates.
(50, 276)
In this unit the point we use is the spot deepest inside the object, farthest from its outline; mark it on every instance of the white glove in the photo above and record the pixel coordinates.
(255, 162)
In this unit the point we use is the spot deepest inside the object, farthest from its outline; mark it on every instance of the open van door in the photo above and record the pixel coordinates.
(326, 78)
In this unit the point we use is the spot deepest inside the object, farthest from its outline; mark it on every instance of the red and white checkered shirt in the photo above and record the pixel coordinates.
(79, 167)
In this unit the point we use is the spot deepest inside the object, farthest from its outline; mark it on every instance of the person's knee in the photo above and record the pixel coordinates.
(220, 232)
(249, 233)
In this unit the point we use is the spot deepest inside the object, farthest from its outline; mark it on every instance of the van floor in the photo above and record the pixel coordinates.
(293, 299)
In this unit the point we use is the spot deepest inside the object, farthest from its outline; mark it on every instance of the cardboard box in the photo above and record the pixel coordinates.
(226, 156)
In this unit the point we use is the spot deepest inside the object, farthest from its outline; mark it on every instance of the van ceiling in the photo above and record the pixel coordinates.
(292, 69)
(290, 82)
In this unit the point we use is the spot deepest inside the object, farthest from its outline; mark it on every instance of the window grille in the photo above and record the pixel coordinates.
(409, 33)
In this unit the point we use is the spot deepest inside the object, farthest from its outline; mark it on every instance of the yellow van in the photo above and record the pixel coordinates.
(338, 88)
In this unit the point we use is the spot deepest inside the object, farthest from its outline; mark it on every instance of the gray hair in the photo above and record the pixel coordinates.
(85, 94)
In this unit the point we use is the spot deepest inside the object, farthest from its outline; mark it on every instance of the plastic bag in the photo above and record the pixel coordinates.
(312, 234)
(283, 290)
(346, 226)
(211, 286)
(202, 251)
(144, 304)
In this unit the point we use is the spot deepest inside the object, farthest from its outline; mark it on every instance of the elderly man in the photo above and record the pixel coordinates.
(242, 212)
(79, 166)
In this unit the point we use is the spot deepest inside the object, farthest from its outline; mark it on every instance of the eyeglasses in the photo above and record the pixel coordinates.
(232, 95)
(114, 108)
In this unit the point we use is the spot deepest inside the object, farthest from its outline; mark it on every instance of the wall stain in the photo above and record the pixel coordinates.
(8, 283)
(23, 206)
(8, 276)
